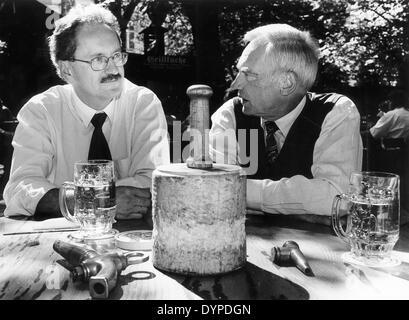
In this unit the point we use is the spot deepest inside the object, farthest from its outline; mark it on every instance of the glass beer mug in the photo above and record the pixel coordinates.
(94, 199)
(372, 208)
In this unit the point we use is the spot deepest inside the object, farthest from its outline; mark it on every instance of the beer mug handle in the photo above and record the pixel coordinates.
(336, 221)
(63, 200)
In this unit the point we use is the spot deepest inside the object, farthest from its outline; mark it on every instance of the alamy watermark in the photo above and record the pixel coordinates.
(53, 15)
(222, 147)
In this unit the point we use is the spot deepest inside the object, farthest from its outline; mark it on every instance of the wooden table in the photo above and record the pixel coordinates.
(28, 268)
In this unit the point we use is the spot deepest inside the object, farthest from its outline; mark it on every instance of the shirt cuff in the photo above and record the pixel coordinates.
(254, 194)
(24, 201)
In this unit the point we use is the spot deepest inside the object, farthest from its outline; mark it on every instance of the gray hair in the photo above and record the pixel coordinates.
(289, 49)
(63, 44)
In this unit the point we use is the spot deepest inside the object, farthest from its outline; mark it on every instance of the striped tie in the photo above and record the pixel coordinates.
(271, 143)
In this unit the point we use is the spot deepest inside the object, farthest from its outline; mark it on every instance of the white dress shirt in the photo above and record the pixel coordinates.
(393, 124)
(337, 153)
(54, 132)
(284, 124)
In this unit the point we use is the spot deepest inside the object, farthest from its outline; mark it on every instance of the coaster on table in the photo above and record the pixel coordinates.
(134, 240)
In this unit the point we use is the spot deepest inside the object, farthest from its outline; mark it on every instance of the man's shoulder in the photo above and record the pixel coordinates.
(400, 115)
(401, 112)
(335, 102)
(137, 100)
(330, 98)
(52, 98)
(133, 90)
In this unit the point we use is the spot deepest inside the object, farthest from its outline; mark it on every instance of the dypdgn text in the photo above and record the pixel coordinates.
(214, 309)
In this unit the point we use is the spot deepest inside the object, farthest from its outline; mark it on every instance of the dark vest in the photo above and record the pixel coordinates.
(295, 157)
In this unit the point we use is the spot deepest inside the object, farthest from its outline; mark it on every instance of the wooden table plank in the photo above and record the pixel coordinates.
(334, 279)
(29, 268)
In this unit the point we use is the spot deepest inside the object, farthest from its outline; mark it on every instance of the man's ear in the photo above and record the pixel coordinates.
(65, 70)
(288, 83)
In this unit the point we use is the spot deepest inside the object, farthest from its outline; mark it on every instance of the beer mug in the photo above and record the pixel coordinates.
(371, 207)
(94, 199)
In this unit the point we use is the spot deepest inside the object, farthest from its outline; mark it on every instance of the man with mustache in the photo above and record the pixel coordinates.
(307, 143)
(56, 127)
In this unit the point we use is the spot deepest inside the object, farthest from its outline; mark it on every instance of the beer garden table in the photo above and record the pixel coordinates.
(29, 268)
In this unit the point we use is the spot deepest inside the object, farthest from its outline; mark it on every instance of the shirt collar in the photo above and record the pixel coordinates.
(285, 122)
(86, 113)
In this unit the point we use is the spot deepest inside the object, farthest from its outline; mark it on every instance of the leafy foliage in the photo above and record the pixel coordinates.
(363, 42)
(178, 38)
(3, 46)
(371, 45)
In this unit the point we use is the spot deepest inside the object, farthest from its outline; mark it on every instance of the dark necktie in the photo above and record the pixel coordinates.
(98, 148)
(271, 143)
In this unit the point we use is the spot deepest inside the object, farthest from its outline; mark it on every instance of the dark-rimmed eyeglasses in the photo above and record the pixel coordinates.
(101, 62)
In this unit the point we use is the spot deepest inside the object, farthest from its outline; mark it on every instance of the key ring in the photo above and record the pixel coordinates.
(136, 257)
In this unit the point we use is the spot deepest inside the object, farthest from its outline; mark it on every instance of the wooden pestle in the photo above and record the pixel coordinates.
(199, 126)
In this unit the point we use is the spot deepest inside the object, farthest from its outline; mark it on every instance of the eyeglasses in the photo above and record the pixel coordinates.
(255, 79)
(101, 62)
(250, 76)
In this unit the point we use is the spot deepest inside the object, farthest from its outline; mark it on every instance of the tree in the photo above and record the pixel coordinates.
(3, 46)
(178, 39)
(363, 42)
(370, 47)
(123, 11)
(302, 14)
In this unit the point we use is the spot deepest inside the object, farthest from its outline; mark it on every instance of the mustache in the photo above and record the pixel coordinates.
(111, 77)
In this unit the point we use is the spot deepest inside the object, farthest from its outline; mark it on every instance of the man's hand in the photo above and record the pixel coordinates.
(132, 203)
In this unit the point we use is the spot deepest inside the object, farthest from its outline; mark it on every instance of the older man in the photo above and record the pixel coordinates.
(308, 143)
(98, 114)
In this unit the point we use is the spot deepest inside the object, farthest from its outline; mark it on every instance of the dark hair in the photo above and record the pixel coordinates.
(63, 44)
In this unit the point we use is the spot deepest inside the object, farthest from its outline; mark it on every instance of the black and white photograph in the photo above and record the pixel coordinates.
(203, 157)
